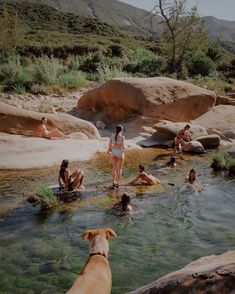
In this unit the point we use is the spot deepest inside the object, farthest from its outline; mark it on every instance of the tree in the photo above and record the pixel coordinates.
(184, 32)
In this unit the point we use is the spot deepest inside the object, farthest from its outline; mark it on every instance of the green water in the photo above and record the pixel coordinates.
(171, 226)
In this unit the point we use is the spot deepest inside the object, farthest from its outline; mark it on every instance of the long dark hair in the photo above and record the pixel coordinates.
(125, 201)
(42, 119)
(63, 166)
(142, 169)
(190, 174)
(119, 128)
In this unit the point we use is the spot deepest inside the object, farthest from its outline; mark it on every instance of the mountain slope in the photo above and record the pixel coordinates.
(119, 14)
(220, 28)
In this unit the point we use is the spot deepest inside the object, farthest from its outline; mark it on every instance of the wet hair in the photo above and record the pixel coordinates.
(126, 199)
(187, 126)
(192, 171)
(141, 167)
(172, 161)
(119, 128)
(63, 166)
(42, 119)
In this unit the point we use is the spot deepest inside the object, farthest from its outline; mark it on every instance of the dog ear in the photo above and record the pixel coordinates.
(87, 235)
(110, 233)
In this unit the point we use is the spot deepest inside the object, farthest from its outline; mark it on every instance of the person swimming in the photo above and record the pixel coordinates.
(191, 179)
(70, 181)
(42, 130)
(144, 178)
(124, 205)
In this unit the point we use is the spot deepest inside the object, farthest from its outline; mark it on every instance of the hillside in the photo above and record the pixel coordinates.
(126, 17)
(138, 22)
(46, 26)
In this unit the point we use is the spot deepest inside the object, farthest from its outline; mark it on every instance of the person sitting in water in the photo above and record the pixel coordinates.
(70, 181)
(171, 163)
(124, 205)
(191, 179)
(42, 131)
(144, 178)
(182, 139)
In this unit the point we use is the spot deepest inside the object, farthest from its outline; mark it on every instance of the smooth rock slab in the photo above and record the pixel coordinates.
(213, 274)
(209, 141)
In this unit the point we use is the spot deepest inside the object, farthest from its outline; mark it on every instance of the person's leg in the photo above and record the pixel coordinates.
(114, 171)
(119, 168)
(78, 178)
(56, 133)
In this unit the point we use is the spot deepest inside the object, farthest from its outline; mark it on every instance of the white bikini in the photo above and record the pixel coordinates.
(118, 152)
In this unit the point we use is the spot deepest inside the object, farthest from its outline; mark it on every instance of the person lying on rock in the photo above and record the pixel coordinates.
(144, 178)
(43, 131)
(182, 139)
(70, 181)
(124, 205)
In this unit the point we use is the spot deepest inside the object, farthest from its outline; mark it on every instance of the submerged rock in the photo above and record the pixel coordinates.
(194, 147)
(213, 274)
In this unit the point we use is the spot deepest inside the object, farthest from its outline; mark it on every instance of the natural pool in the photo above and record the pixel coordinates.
(171, 226)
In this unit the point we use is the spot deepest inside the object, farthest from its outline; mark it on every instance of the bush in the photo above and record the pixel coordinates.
(13, 74)
(202, 65)
(92, 63)
(115, 50)
(214, 53)
(47, 199)
(107, 72)
(138, 55)
(71, 80)
(46, 70)
(220, 160)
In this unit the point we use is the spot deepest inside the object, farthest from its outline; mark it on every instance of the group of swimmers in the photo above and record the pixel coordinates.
(72, 181)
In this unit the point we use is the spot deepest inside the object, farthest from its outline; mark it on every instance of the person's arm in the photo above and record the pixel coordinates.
(123, 143)
(66, 180)
(59, 181)
(110, 146)
(135, 180)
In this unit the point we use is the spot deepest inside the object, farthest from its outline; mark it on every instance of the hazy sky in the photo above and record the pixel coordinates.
(224, 9)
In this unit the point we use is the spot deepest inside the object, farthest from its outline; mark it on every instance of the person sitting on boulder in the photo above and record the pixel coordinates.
(182, 139)
(70, 181)
(124, 205)
(144, 178)
(191, 179)
(42, 131)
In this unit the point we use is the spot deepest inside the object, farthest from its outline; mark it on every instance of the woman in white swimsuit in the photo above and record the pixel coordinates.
(42, 131)
(116, 149)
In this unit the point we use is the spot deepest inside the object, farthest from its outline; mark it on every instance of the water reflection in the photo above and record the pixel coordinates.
(170, 227)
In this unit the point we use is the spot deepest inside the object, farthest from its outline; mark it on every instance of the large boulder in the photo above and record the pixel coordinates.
(219, 120)
(194, 147)
(19, 121)
(209, 141)
(161, 98)
(170, 129)
(212, 274)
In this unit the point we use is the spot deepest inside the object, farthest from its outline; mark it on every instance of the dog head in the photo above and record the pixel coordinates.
(98, 240)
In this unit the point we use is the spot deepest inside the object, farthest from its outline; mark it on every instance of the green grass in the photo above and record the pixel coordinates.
(47, 199)
(3, 210)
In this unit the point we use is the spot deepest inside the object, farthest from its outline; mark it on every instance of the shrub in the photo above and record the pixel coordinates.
(71, 79)
(219, 160)
(201, 64)
(13, 74)
(47, 199)
(46, 70)
(92, 62)
(107, 72)
(115, 50)
(137, 55)
(214, 53)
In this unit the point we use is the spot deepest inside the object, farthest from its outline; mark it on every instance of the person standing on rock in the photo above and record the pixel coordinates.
(182, 138)
(116, 150)
(42, 131)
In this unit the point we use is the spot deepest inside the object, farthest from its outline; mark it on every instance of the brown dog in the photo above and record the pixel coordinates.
(95, 277)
